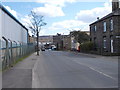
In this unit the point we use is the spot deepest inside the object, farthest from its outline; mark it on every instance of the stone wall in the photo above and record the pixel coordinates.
(98, 36)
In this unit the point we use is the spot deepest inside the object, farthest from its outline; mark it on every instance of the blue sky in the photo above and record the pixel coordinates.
(61, 15)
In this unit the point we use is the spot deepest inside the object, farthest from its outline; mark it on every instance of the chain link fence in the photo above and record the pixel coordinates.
(12, 51)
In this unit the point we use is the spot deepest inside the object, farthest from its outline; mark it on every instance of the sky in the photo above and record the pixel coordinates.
(61, 16)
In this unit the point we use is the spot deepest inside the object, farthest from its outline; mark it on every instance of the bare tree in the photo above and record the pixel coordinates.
(36, 22)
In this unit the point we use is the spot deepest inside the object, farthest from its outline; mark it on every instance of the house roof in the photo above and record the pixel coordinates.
(114, 13)
(8, 13)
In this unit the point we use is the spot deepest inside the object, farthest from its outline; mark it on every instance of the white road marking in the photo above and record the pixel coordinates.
(95, 70)
(102, 73)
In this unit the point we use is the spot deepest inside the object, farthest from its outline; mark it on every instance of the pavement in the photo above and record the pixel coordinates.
(19, 76)
(57, 69)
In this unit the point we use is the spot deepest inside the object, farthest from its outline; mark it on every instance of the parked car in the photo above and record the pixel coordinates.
(42, 49)
(53, 47)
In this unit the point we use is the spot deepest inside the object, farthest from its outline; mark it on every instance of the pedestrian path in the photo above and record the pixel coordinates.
(20, 76)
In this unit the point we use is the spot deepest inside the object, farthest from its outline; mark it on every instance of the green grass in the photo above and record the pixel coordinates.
(16, 62)
(21, 59)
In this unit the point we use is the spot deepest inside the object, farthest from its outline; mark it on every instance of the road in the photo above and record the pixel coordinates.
(57, 69)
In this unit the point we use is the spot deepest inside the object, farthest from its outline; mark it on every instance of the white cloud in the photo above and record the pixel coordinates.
(60, 27)
(52, 8)
(26, 21)
(63, 27)
(49, 10)
(13, 12)
(56, 2)
(68, 24)
(53, 1)
(89, 16)
(81, 21)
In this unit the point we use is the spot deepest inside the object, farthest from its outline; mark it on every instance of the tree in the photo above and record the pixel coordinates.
(80, 36)
(36, 22)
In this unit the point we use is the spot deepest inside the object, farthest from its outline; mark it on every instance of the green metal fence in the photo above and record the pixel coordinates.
(12, 51)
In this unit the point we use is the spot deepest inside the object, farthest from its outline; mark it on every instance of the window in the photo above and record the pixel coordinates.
(95, 40)
(111, 25)
(104, 26)
(104, 42)
(95, 28)
(111, 44)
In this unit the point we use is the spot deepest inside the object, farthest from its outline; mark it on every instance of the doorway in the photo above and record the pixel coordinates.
(112, 46)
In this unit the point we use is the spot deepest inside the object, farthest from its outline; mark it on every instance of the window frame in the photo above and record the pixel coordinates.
(95, 28)
(104, 43)
(111, 25)
(104, 26)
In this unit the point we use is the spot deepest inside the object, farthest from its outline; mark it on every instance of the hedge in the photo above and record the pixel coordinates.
(87, 46)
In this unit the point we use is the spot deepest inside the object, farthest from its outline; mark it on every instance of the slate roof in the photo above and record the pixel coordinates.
(114, 13)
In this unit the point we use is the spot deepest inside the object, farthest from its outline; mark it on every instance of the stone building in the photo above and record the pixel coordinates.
(46, 39)
(105, 32)
(58, 41)
(67, 42)
(62, 42)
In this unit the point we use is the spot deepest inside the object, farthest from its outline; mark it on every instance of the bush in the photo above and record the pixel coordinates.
(86, 47)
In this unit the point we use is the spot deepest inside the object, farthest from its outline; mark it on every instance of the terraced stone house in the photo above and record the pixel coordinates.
(105, 32)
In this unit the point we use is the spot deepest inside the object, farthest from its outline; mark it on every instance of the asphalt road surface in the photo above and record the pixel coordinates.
(57, 69)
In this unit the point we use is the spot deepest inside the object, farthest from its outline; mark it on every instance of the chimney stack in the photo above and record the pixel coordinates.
(115, 5)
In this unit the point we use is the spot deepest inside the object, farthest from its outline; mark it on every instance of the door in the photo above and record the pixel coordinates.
(111, 45)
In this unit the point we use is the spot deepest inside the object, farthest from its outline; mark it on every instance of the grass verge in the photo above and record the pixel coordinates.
(16, 61)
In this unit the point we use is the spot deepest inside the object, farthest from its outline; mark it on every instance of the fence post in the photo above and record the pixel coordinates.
(20, 49)
(16, 49)
(11, 53)
(6, 58)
